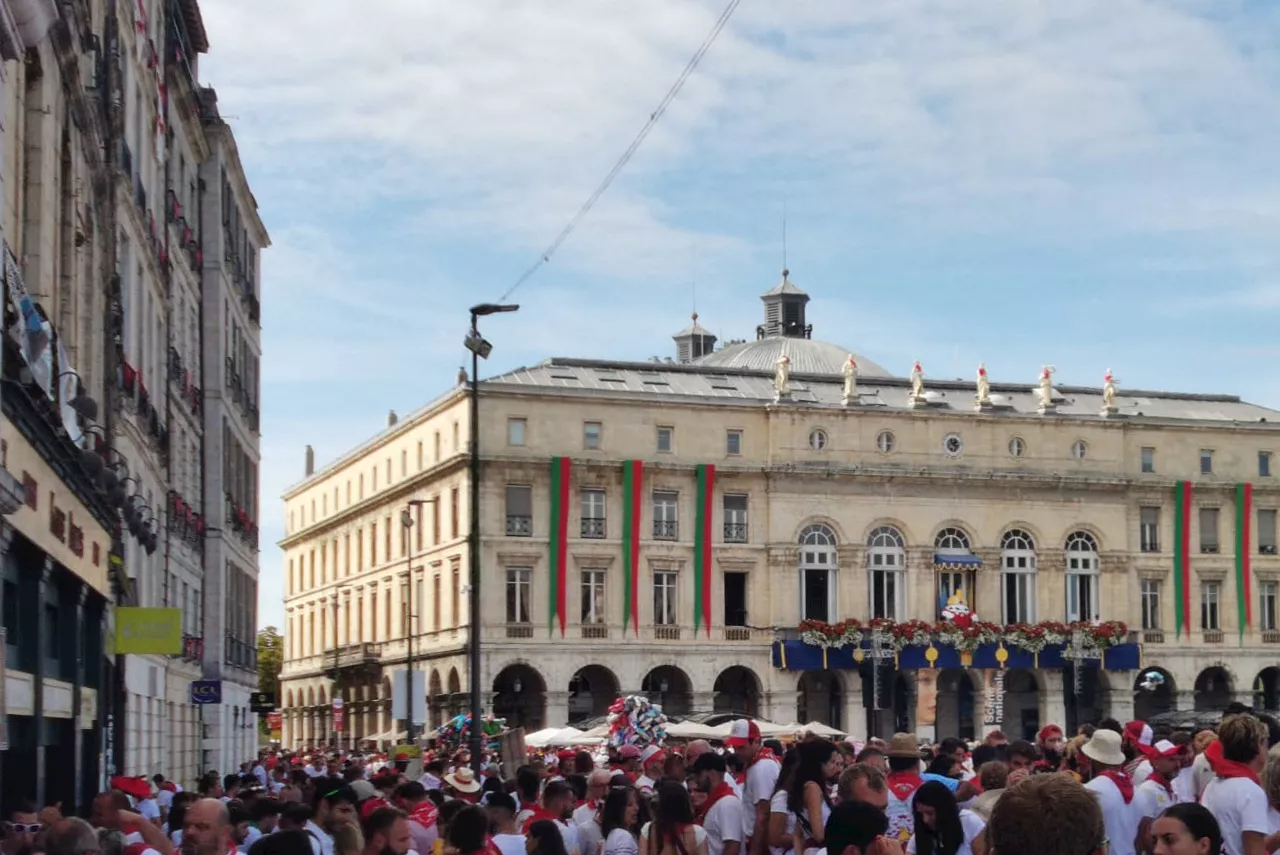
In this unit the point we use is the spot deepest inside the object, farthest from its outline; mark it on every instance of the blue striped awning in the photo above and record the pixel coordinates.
(956, 562)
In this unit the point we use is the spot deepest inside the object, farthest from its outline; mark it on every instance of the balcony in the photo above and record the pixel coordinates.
(595, 630)
(1271, 636)
(1153, 636)
(666, 633)
(735, 532)
(519, 630)
(356, 655)
(519, 526)
(665, 529)
(1213, 636)
(593, 527)
(192, 648)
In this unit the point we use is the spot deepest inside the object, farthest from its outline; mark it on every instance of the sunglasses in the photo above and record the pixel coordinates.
(24, 827)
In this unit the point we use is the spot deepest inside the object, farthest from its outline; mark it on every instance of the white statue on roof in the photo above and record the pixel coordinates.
(850, 380)
(1109, 392)
(1046, 387)
(984, 386)
(782, 377)
(917, 382)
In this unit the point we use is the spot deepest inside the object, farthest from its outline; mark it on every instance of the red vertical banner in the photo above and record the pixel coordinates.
(339, 716)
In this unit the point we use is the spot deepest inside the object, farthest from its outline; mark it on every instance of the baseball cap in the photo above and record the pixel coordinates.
(742, 731)
(1139, 732)
(650, 753)
(363, 790)
(1165, 748)
(628, 752)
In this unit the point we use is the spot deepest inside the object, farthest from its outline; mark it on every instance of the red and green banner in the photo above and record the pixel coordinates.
(702, 547)
(632, 484)
(1182, 557)
(561, 469)
(1244, 521)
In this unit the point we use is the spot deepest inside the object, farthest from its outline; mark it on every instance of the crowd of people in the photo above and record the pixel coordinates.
(1111, 789)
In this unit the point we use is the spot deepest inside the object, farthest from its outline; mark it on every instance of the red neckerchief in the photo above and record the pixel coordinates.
(490, 847)
(1122, 781)
(903, 784)
(720, 792)
(1160, 779)
(1224, 768)
(741, 778)
(763, 753)
(538, 813)
(424, 813)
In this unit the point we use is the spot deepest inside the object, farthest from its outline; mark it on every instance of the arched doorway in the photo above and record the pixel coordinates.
(820, 699)
(520, 697)
(384, 707)
(1022, 704)
(670, 688)
(455, 693)
(737, 690)
(435, 712)
(1266, 690)
(592, 691)
(1213, 689)
(1154, 692)
(954, 715)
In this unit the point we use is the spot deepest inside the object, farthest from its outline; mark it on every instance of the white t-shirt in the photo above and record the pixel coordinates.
(645, 784)
(724, 822)
(149, 809)
(972, 825)
(1151, 799)
(620, 842)
(762, 780)
(321, 842)
(570, 837)
(1184, 785)
(164, 798)
(778, 804)
(510, 844)
(1120, 819)
(1201, 774)
(699, 833)
(1239, 805)
(590, 838)
(1142, 771)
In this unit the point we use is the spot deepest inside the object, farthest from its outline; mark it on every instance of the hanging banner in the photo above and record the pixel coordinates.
(141, 630)
(339, 716)
(275, 724)
(205, 692)
(31, 331)
(993, 715)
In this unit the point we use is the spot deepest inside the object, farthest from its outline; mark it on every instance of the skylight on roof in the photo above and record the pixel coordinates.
(652, 378)
(608, 375)
(563, 374)
(720, 381)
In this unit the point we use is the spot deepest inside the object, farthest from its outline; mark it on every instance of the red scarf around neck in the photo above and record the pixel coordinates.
(1224, 768)
(538, 813)
(903, 784)
(424, 813)
(1162, 781)
(722, 790)
(1122, 781)
(763, 753)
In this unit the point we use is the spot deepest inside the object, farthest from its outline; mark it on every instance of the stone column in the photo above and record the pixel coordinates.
(1120, 697)
(854, 713)
(1185, 700)
(1053, 703)
(985, 601)
(703, 701)
(782, 706)
(853, 597)
(557, 712)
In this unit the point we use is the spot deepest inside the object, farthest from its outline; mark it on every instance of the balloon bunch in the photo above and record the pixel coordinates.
(633, 720)
(457, 731)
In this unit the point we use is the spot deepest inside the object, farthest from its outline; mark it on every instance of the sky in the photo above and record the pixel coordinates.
(1089, 185)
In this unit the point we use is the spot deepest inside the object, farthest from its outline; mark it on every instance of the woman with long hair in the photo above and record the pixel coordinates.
(672, 831)
(941, 827)
(782, 823)
(544, 838)
(1186, 829)
(618, 822)
(809, 796)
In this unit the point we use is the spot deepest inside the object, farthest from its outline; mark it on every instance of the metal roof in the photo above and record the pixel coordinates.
(784, 286)
(807, 357)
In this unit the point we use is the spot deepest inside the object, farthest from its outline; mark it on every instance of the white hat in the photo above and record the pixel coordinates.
(649, 753)
(1104, 747)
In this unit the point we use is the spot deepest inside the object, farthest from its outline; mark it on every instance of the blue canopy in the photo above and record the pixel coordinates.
(798, 656)
(944, 561)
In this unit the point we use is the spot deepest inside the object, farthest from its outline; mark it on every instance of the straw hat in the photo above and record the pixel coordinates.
(903, 745)
(463, 780)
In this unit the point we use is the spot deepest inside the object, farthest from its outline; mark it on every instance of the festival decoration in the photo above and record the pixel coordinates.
(821, 634)
(634, 720)
(967, 635)
(1244, 570)
(457, 730)
(1182, 504)
(632, 505)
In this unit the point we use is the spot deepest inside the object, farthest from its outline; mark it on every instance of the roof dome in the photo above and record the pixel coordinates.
(807, 357)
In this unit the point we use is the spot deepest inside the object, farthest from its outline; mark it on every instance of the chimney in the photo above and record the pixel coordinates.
(311, 462)
(392, 418)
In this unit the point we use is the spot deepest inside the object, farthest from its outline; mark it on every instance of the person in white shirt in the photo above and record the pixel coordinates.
(651, 760)
(586, 818)
(1114, 790)
(723, 811)
(854, 829)
(1234, 796)
(762, 779)
(1157, 792)
(941, 825)
(508, 839)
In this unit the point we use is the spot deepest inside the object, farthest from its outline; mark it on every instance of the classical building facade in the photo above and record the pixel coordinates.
(665, 527)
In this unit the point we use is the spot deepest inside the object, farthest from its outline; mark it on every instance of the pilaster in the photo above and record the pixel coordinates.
(1053, 703)
(80, 631)
(782, 705)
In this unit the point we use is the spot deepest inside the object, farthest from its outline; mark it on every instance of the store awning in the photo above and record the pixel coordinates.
(956, 562)
(798, 656)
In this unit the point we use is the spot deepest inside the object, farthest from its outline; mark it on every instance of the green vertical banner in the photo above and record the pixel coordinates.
(632, 484)
(1182, 557)
(702, 547)
(1244, 586)
(561, 469)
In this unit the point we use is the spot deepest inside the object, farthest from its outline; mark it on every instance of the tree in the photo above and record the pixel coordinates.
(270, 661)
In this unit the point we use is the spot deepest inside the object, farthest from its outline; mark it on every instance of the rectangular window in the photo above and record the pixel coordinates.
(665, 524)
(373, 545)
(1264, 464)
(1209, 530)
(386, 539)
(516, 431)
(436, 622)
(436, 458)
(1150, 595)
(1266, 531)
(888, 585)
(386, 614)
(735, 599)
(519, 511)
(311, 577)
(591, 435)
(1209, 606)
(417, 527)
(593, 519)
(735, 518)
(359, 550)
(404, 463)
(346, 555)
(1018, 582)
(733, 442)
(665, 439)
(519, 590)
(593, 604)
(373, 615)
(664, 598)
(1149, 529)
(455, 595)
(453, 513)
(374, 476)
(435, 520)
(1206, 461)
(1267, 595)
(419, 456)
(1148, 460)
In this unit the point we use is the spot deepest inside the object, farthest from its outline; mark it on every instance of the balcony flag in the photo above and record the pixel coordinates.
(702, 548)
(561, 469)
(1244, 520)
(1182, 557)
(632, 483)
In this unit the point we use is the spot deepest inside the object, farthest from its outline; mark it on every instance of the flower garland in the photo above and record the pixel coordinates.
(1032, 638)
(827, 635)
(969, 638)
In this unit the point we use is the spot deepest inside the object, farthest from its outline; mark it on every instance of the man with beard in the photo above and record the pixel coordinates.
(22, 830)
(423, 816)
(206, 829)
(1052, 742)
(335, 805)
(386, 832)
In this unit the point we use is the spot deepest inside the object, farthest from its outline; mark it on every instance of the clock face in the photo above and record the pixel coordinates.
(952, 444)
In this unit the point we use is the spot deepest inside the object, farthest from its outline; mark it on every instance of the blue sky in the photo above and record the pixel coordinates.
(1093, 186)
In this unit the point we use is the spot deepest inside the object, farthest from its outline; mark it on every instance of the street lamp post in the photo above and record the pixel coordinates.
(479, 349)
(407, 522)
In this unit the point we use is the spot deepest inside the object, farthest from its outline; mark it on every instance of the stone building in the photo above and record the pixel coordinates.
(664, 527)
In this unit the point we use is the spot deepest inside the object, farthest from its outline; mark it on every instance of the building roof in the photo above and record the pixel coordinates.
(784, 286)
(807, 357)
(694, 329)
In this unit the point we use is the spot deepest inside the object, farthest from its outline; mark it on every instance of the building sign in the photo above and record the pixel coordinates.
(157, 631)
(994, 715)
(275, 724)
(262, 702)
(339, 716)
(206, 692)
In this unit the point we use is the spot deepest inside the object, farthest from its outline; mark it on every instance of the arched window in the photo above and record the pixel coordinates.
(1083, 582)
(956, 564)
(817, 573)
(1018, 576)
(886, 569)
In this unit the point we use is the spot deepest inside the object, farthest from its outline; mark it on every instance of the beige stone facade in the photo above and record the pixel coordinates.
(820, 509)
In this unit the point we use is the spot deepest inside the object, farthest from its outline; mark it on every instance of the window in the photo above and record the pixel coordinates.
(1266, 531)
(455, 596)
(455, 437)
(664, 598)
(359, 550)
(1268, 592)
(404, 463)
(1206, 461)
(386, 527)
(419, 456)
(733, 442)
(664, 516)
(952, 445)
(453, 512)
(1082, 577)
(374, 476)
(1148, 459)
(435, 520)
(665, 435)
(1209, 606)
(1018, 577)
(515, 432)
(373, 615)
(735, 518)
(817, 573)
(593, 605)
(953, 577)
(1264, 464)
(436, 608)
(1149, 589)
(591, 435)
(1079, 449)
(373, 544)
(817, 439)
(1149, 529)
(735, 599)
(886, 566)
(593, 519)
(1017, 447)
(519, 511)
(1209, 530)
(884, 441)
(437, 447)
